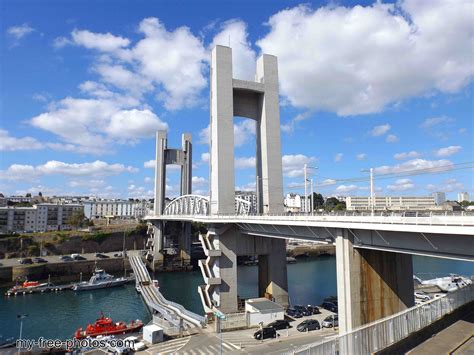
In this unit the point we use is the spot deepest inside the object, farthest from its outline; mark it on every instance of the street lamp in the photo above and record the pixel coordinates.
(306, 167)
(372, 195)
(21, 317)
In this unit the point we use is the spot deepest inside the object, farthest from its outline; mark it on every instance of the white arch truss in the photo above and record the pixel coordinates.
(199, 205)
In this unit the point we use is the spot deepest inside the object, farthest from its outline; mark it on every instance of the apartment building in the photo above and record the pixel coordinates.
(392, 203)
(39, 218)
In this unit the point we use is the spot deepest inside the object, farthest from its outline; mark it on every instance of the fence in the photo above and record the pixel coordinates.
(381, 334)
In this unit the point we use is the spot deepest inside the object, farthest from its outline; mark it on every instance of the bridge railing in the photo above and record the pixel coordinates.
(385, 332)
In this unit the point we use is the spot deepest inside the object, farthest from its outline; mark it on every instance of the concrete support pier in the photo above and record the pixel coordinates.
(371, 284)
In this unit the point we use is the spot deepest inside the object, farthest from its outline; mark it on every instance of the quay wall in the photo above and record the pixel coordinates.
(311, 250)
(62, 271)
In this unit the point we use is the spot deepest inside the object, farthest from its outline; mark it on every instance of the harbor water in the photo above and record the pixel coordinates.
(58, 315)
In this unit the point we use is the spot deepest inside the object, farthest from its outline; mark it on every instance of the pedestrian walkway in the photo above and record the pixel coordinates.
(168, 347)
(193, 345)
(455, 339)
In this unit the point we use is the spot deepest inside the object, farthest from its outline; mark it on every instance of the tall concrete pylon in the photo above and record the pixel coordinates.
(257, 100)
(167, 156)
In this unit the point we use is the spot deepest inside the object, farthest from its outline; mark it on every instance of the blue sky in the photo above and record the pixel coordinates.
(85, 84)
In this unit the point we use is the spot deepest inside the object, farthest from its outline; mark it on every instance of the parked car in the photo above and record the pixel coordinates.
(39, 260)
(101, 256)
(303, 310)
(66, 258)
(331, 321)
(279, 324)
(330, 306)
(293, 313)
(308, 325)
(135, 343)
(313, 309)
(264, 333)
(79, 257)
(24, 261)
(422, 296)
(118, 255)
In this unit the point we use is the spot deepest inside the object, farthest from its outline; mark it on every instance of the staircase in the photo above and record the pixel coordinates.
(208, 270)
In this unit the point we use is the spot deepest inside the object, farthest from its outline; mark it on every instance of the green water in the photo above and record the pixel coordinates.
(58, 315)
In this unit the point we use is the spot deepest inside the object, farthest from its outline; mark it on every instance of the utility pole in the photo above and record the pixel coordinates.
(312, 197)
(305, 188)
(372, 197)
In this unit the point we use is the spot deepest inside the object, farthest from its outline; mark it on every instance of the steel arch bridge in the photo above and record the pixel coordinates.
(199, 205)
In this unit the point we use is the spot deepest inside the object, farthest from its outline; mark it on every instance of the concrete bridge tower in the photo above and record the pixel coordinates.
(167, 156)
(257, 100)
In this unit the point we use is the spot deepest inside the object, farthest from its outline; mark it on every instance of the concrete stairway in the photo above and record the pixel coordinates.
(208, 270)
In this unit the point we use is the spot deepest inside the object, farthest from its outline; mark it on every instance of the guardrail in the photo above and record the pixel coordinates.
(463, 219)
(385, 332)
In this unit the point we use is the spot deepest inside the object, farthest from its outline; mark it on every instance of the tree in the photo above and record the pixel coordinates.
(318, 200)
(331, 203)
(28, 195)
(77, 219)
(341, 206)
(40, 194)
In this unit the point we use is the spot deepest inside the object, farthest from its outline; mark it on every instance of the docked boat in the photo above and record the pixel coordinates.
(106, 326)
(447, 284)
(290, 260)
(100, 279)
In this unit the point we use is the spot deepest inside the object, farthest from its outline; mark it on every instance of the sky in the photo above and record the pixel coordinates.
(84, 86)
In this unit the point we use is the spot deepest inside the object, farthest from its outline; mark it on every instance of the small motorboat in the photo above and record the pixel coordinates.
(100, 279)
(106, 326)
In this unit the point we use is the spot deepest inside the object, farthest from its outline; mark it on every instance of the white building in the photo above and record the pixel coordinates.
(392, 203)
(440, 198)
(39, 218)
(108, 208)
(19, 199)
(263, 310)
(293, 202)
(463, 196)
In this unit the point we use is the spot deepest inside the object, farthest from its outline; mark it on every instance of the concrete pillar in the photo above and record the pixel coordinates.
(269, 167)
(225, 267)
(158, 257)
(222, 189)
(185, 244)
(272, 273)
(371, 284)
(160, 172)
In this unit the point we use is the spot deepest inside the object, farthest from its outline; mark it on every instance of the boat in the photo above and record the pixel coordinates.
(100, 279)
(290, 260)
(7, 343)
(447, 284)
(106, 326)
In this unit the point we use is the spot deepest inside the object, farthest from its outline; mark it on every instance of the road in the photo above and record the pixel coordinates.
(53, 259)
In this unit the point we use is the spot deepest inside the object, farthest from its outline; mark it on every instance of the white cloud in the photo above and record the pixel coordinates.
(440, 127)
(243, 131)
(401, 185)
(104, 42)
(148, 180)
(9, 143)
(448, 185)
(436, 121)
(149, 164)
(251, 186)
(96, 169)
(205, 157)
(415, 164)
(245, 163)
(233, 33)
(391, 138)
(293, 165)
(448, 151)
(406, 155)
(328, 182)
(345, 189)
(135, 191)
(338, 157)
(174, 60)
(18, 32)
(198, 181)
(90, 183)
(380, 130)
(92, 124)
(361, 156)
(335, 58)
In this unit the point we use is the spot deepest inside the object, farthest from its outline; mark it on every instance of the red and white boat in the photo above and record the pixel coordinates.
(106, 326)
